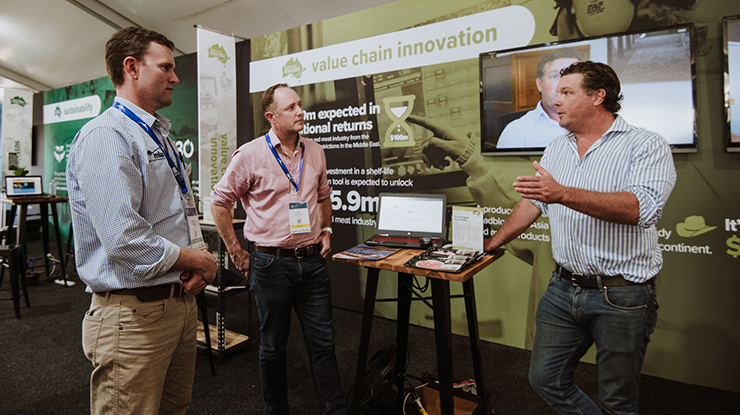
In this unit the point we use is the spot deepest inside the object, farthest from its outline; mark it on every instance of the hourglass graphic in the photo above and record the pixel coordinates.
(399, 133)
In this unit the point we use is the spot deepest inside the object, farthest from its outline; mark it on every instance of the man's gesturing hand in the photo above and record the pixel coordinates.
(542, 188)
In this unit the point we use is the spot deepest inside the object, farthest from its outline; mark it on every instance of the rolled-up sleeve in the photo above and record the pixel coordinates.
(235, 181)
(651, 179)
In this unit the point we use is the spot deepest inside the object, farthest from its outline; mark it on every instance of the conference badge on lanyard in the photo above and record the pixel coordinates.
(299, 221)
(196, 235)
(186, 196)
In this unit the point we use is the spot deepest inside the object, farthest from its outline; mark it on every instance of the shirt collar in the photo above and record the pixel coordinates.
(542, 115)
(619, 125)
(276, 143)
(150, 120)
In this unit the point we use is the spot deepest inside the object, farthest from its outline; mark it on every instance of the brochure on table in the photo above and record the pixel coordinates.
(467, 228)
(367, 252)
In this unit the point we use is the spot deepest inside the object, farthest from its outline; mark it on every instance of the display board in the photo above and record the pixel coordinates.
(374, 144)
(731, 37)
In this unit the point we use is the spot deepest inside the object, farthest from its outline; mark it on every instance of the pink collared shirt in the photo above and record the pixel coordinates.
(255, 177)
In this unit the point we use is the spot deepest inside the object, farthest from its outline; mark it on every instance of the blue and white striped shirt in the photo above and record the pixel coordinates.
(624, 159)
(128, 218)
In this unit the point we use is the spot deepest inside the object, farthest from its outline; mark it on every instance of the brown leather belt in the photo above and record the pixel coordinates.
(157, 292)
(299, 253)
(590, 281)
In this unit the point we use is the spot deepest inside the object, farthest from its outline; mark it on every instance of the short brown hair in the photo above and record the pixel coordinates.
(597, 75)
(268, 95)
(130, 41)
(556, 54)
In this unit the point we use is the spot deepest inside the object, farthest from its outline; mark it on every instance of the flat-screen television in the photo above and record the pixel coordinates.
(655, 69)
(732, 80)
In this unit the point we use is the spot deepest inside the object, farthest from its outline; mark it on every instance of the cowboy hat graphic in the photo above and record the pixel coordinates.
(693, 226)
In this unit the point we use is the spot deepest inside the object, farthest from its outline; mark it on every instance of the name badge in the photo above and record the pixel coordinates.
(196, 235)
(299, 220)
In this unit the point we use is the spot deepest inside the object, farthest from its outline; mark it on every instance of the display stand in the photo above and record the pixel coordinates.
(440, 282)
(19, 208)
(224, 341)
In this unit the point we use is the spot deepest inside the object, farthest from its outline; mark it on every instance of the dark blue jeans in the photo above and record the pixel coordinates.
(280, 284)
(619, 320)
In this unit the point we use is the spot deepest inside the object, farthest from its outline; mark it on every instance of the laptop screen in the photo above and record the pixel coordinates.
(410, 214)
(23, 185)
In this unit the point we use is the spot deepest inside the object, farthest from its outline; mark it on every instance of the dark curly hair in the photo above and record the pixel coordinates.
(130, 41)
(597, 75)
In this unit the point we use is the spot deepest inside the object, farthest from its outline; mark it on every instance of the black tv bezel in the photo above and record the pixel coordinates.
(538, 151)
(730, 147)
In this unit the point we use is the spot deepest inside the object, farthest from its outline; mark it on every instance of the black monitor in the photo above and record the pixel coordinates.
(731, 31)
(655, 68)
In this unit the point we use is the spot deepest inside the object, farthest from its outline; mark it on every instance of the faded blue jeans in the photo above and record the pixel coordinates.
(280, 284)
(619, 320)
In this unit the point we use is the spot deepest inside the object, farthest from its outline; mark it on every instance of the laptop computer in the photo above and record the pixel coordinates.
(24, 187)
(409, 220)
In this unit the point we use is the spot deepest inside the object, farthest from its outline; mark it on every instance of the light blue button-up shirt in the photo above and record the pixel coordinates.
(624, 159)
(128, 217)
(534, 129)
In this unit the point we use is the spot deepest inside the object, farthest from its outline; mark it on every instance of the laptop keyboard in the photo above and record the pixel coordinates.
(395, 241)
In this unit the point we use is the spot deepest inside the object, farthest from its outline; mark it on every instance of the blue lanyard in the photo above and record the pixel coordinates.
(282, 165)
(176, 169)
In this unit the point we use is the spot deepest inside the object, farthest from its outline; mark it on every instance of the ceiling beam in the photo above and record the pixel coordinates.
(108, 16)
(21, 79)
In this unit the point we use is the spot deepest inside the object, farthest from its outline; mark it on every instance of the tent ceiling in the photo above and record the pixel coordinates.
(48, 44)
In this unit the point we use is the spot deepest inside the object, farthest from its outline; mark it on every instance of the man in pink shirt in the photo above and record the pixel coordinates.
(281, 181)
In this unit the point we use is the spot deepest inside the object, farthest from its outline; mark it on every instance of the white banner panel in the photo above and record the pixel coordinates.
(74, 109)
(448, 41)
(216, 109)
(16, 127)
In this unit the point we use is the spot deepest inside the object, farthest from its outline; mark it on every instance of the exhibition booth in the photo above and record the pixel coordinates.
(367, 78)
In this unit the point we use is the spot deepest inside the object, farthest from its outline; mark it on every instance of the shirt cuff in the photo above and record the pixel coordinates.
(169, 256)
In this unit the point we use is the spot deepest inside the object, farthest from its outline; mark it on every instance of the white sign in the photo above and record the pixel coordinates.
(448, 41)
(16, 127)
(467, 228)
(74, 109)
(216, 108)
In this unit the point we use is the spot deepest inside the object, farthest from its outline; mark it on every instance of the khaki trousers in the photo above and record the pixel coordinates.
(143, 354)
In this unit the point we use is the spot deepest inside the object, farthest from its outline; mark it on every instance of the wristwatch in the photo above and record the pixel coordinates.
(327, 229)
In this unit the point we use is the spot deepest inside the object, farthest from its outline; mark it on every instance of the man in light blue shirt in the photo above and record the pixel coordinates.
(604, 186)
(539, 126)
(132, 212)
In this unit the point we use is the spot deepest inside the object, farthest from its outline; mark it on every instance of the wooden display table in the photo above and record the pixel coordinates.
(440, 282)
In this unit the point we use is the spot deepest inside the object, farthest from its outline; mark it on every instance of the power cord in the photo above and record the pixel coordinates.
(417, 399)
(415, 396)
(53, 266)
(60, 281)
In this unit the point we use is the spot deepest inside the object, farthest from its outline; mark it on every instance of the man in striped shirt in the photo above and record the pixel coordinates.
(603, 185)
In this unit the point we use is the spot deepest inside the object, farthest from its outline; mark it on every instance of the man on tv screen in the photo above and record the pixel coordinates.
(539, 126)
